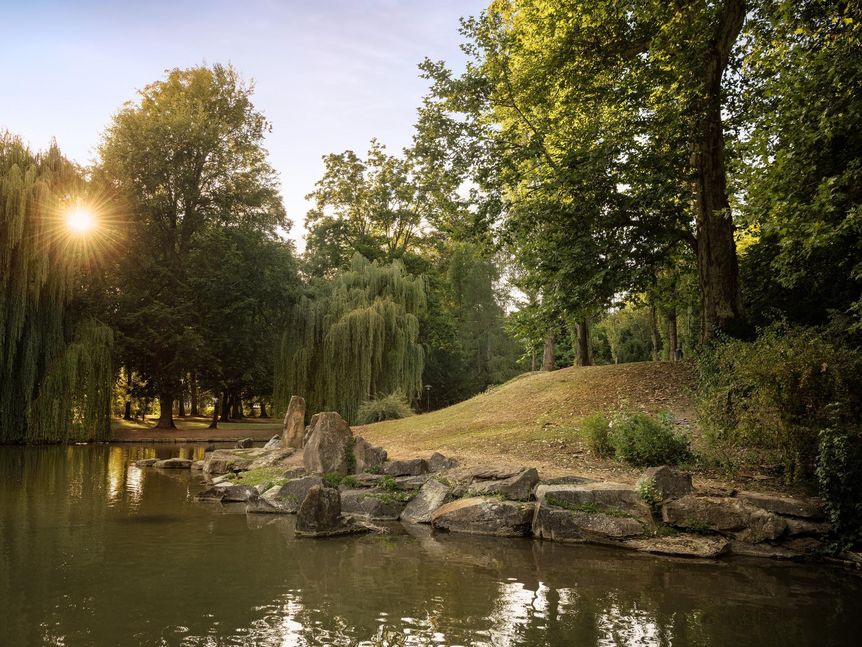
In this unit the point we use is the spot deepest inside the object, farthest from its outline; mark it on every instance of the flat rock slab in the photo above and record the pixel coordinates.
(724, 515)
(482, 516)
(210, 495)
(411, 483)
(578, 526)
(146, 462)
(494, 472)
(377, 504)
(238, 493)
(518, 487)
(222, 461)
(174, 464)
(683, 545)
(785, 505)
(411, 467)
(431, 496)
(600, 497)
(763, 551)
(272, 457)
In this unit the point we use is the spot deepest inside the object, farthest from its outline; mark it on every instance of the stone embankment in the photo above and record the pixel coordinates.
(344, 484)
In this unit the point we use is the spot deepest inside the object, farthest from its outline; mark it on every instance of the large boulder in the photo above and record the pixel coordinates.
(481, 516)
(682, 545)
(431, 496)
(329, 447)
(174, 464)
(372, 504)
(367, 456)
(784, 505)
(605, 497)
(583, 525)
(286, 499)
(294, 423)
(320, 515)
(664, 483)
(410, 467)
(518, 487)
(222, 461)
(724, 515)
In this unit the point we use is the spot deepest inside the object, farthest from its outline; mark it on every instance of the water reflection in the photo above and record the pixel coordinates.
(94, 551)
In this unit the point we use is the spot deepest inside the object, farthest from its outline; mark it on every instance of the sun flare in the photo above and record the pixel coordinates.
(80, 220)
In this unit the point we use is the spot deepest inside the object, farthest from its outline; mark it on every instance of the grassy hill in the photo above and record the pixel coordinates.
(535, 418)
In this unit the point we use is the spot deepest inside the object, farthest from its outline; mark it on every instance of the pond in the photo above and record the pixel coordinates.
(94, 551)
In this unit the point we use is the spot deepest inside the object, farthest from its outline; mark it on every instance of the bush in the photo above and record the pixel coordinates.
(839, 477)
(641, 440)
(597, 430)
(773, 396)
(390, 407)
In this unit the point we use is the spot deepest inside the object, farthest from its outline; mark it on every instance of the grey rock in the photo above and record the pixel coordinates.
(146, 462)
(599, 496)
(372, 504)
(244, 443)
(210, 495)
(174, 464)
(368, 480)
(763, 551)
(294, 473)
(410, 467)
(518, 487)
(784, 505)
(439, 463)
(411, 483)
(569, 479)
(682, 545)
(483, 472)
(724, 515)
(272, 457)
(320, 515)
(667, 482)
(293, 432)
(578, 526)
(288, 497)
(367, 456)
(480, 516)
(273, 443)
(222, 461)
(431, 496)
(327, 446)
(807, 527)
(239, 493)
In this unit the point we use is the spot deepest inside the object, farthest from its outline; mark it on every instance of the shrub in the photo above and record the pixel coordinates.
(774, 395)
(597, 430)
(389, 407)
(839, 477)
(642, 440)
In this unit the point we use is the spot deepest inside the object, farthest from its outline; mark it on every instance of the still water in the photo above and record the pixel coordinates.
(94, 551)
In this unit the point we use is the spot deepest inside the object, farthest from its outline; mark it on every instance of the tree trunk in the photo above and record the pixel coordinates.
(533, 360)
(236, 407)
(214, 421)
(181, 406)
(717, 268)
(193, 389)
(225, 407)
(263, 413)
(672, 342)
(583, 353)
(549, 357)
(127, 411)
(166, 414)
(654, 334)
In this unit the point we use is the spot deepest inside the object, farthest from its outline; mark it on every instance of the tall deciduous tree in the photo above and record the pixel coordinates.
(186, 156)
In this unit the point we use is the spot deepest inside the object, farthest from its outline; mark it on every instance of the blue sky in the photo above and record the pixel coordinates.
(329, 75)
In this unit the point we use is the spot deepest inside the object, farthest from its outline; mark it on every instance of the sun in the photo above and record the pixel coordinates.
(80, 220)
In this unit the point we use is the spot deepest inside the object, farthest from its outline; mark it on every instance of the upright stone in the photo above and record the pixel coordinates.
(320, 512)
(294, 423)
(329, 448)
(368, 456)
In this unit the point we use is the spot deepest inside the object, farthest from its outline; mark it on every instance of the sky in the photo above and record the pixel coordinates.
(328, 74)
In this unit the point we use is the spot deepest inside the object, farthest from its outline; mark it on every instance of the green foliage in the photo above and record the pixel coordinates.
(839, 477)
(389, 407)
(349, 482)
(648, 493)
(642, 440)
(776, 393)
(597, 430)
(332, 479)
(388, 483)
(356, 337)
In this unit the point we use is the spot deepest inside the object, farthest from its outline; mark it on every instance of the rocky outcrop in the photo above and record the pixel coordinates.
(483, 516)
(367, 457)
(431, 496)
(329, 447)
(412, 467)
(244, 443)
(583, 525)
(319, 515)
(293, 431)
(610, 498)
(783, 505)
(664, 483)
(724, 515)
(174, 464)
(374, 503)
(682, 545)
(518, 487)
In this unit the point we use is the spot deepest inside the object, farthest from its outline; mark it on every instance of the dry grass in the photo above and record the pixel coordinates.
(535, 418)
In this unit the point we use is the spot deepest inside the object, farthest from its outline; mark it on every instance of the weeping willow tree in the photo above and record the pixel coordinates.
(355, 341)
(55, 373)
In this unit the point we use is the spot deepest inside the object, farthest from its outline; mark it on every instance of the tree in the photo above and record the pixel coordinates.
(353, 339)
(187, 156)
(55, 363)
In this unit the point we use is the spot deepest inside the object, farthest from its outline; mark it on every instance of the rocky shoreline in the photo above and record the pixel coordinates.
(339, 484)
